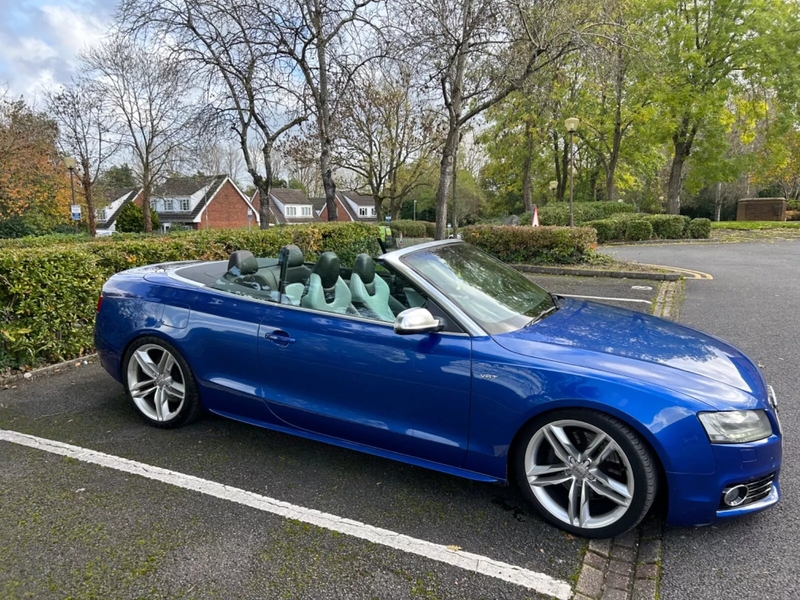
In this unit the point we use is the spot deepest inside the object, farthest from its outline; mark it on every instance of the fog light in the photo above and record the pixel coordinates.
(734, 496)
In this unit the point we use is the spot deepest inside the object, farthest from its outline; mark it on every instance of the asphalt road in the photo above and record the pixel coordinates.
(71, 529)
(753, 303)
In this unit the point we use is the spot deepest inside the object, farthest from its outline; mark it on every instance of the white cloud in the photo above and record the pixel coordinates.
(72, 30)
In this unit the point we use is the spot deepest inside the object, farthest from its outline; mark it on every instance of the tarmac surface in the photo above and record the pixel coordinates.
(753, 303)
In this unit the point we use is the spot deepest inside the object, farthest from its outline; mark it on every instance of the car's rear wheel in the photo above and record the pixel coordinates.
(160, 384)
(586, 472)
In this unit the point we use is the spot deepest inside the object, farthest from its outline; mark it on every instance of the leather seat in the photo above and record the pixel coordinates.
(327, 291)
(243, 269)
(370, 291)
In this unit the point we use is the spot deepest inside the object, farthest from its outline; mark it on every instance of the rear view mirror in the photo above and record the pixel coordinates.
(416, 320)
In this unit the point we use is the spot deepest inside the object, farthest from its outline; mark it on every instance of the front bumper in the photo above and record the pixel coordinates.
(696, 499)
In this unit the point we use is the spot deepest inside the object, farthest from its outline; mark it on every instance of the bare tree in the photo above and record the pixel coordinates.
(256, 96)
(300, 153)
(149, 97)
(85, 133)
(479, 51)
(386, 135)
(324, 40)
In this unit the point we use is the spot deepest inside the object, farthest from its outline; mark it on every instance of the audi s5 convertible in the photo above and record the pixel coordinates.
(441, 356)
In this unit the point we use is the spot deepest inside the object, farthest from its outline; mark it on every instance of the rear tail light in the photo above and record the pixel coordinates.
(99, 302)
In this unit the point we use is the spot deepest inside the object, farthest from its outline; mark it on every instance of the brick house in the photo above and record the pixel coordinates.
(202, 202)
(288, 207)
(106, 218)
(352, 206)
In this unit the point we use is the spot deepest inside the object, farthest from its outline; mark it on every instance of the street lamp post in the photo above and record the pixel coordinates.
(571, 125)
(553, 188)
(70, 163)
(415, 209)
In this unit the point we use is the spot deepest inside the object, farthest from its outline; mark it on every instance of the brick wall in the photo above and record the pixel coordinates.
(341, 213)
(227, 210)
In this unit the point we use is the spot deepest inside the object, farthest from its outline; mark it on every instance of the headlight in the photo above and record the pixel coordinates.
(736, 426)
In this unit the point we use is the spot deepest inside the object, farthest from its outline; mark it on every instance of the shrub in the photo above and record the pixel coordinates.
(131, 219)
(415, 229)
(48, 294)
(638, 230)
(668, 227)
(558, 213)
(700, 229)
(533, 245)
(793, 205)
(608, 229)
(16, 227)
(430, 229)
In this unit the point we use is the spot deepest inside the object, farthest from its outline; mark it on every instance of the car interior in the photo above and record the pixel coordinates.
(368, 290)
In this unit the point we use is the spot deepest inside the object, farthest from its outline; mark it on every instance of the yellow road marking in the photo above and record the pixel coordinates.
(687, 273)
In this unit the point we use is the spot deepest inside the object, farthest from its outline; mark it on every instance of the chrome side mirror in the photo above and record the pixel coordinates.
(416, 320)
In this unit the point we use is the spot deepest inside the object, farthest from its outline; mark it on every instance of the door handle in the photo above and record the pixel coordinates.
(280, 337)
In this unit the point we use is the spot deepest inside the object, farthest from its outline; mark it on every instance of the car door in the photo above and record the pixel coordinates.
(358, 380)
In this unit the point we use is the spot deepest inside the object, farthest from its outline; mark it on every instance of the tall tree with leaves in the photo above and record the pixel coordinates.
(477, 52)
(149, 95)
(709, 49)
(255, 95)
(85, 133)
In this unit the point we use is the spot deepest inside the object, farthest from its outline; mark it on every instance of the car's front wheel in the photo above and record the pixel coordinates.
(159, 383)
(586, 472)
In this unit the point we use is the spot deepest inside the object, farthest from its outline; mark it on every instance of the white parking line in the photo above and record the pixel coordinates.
(539, 582)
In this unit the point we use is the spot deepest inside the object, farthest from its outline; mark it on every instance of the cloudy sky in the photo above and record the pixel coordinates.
(40, 41)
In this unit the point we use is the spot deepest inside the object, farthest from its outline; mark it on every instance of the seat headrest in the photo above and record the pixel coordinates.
(296, 257)
(327, 268)
(244, 262)
(364, 267)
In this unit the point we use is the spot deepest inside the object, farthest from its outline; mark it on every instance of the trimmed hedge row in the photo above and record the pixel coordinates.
(414, 229)
(533, 245)
(638, 227)
(558, 213)
(48, 294)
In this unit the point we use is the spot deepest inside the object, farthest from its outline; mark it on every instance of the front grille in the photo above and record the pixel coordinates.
(756, 490)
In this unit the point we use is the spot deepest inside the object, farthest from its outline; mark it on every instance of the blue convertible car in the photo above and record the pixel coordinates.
(440, 356)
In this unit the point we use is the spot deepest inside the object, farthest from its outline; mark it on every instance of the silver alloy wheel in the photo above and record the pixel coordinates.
(156, 382)
(579, 474)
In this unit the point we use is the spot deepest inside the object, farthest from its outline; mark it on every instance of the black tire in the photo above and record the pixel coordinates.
(177, 375)
(640, 467)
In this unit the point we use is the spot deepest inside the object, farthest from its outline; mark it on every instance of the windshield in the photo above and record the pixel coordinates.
(494, 295)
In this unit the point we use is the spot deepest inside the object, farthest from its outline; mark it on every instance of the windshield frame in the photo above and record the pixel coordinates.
(516, 320)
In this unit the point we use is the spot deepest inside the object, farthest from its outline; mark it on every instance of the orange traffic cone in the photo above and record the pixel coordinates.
(535, 218)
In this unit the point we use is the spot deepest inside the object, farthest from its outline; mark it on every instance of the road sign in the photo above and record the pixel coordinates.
(76, 212)
(249, 213)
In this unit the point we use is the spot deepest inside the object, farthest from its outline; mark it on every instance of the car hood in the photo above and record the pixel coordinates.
(644, 347)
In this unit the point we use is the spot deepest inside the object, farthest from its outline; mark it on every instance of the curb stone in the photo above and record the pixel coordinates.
(598, 273)
(48, 370)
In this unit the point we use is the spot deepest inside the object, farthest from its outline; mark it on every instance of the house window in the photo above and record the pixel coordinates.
(185, 204)
(291, 211)
(155, 205)
(374, 212)
(305, 211)
(362, 211)
(100, 214)
(168, 205)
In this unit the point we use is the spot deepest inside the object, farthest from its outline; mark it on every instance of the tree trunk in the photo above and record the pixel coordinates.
(87, 191)
(445, 175)
(146, 191)
(682, 144)
(718, 203)
(526, 169)
(327, 182)
(324, 114)
(263, 184)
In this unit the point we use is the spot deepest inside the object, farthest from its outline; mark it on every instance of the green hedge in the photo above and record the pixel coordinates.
(558, 213)
(638, 229)
(533, 245)
(793, 205)
(700, 229)
(48, 294)
(415, 229)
